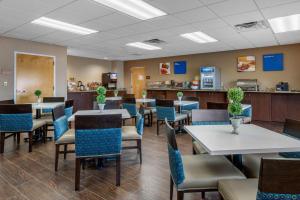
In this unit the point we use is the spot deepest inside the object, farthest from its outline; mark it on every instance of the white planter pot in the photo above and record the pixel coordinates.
(116, 94)
(101, 106)
(144, 96)
(179, 98)
(235, 122)
(39, 100)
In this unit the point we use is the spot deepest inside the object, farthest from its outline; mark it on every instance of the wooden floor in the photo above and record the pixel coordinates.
(31, 176)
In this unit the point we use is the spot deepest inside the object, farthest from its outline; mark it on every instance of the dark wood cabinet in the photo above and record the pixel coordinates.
(279, 107)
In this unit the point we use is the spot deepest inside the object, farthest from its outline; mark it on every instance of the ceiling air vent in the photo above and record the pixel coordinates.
(154, 41)
(251, 26)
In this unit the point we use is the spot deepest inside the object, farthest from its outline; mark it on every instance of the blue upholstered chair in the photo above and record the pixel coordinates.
(196, 173)
(134, 133)
(292, 129)
(51, 100)
(18, 119)
(279, 179)
(187, 109)
(208, 117)
(166, 110)
(69, 104)
(98, 136)
(130, 105)
(63, 136)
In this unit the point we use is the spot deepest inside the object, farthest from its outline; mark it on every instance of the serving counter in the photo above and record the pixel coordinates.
(266, 106)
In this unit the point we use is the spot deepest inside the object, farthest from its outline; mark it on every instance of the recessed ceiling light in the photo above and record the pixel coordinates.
(44, 21)
(199, 37)
(135, 8)
(285, 24)
(143, 46)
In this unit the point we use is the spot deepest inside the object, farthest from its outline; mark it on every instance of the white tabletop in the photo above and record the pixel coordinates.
(184, 103)
(246, 106)
(252, 139)
(144, 100)
(114, 98)
(46, 105)
(124, 112)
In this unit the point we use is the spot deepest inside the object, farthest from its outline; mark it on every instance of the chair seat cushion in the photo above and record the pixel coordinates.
(67, 138)
(180, 116)
(251, 163)
(204, 171)
(38, 123)
(247, 120)
(198, 148)
(238, 189)
(130, 133)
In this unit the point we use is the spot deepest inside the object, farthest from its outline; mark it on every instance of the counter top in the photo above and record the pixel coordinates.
(199, 90)
(92, 91)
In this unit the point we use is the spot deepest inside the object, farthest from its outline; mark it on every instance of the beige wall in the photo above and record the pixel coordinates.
(8, 46)
(87, 69)
(227, 62)
(118, 67)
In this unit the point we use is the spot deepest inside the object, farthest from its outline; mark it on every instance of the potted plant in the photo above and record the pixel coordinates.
(38, 94)
(179, 95)
(116, 92)
(101, 91)
(235, 96)
(144, 94)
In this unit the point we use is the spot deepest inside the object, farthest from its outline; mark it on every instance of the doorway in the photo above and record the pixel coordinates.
(33, 72)
(138, 83)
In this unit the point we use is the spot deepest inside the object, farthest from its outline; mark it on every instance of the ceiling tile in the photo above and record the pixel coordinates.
(210, 24)
(281, 11)
(232, 7)
(209, 2)
(176, 5)
(259, 36)
(196, 15)
(166, 21)
(244, 18)
(271, 3)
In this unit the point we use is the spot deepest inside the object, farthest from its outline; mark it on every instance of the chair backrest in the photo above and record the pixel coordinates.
(98, 135)
(190, 106)
(11, 101)
(69, 108)
(16, 118)
(217, 105)
(53, 99)
(58, 112)
(129, 100)
(165, 109)
(111, 104)
(129, 96)
(175, 159)
(210, 117)
(291, 128)
(140, 124)
(186, 98)
(69, 103)
(130, 105)
(279, 179)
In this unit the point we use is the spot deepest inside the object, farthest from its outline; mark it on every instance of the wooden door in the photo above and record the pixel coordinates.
(33, 72)
(138, 81)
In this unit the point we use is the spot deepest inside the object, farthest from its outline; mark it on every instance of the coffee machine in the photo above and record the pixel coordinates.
(109, 80)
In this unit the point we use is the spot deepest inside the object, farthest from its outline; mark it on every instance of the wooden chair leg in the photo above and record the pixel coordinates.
(171, 188)
(65, 151)
(157, 128)
(15, 136)
(30, 142)
(180, 195)
(139, 145)
(203, 195)
(18, 138)
(45, 129)
(118, 170)
(2, 141)
(56, 156)
(77, 174)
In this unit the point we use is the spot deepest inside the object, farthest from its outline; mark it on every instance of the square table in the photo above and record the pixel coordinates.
(184, 103)
(39, 106)
(124, 112)
(145, 100)
(252, 139)
(114, 98)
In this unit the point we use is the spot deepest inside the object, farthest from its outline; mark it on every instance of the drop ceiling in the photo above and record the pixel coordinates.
(213, 17)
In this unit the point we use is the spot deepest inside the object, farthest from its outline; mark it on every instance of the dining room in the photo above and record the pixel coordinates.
(149, 100)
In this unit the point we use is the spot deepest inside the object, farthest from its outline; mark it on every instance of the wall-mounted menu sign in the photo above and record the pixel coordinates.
(180, 67)
(273, 62)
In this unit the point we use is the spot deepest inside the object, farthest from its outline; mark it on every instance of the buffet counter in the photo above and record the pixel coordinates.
(266, 105)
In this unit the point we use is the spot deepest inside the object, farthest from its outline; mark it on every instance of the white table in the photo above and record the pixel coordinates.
(144, 100)
(114, 98)
(47, 105)
(246, 106)
(184, 103)
(124, 112)
(218, 140)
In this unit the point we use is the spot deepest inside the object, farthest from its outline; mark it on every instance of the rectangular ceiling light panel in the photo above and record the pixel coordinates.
(135, 8)
(199, 37)
(143, 46)
(44, 21)
(285, 24)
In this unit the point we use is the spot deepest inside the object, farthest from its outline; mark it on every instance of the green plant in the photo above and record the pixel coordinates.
(38, 93)
(144, 93)
(235, 96)
(179, 94)
(116, 92)
(101, 91)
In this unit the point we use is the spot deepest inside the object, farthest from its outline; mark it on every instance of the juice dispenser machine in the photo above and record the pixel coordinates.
(210, 78)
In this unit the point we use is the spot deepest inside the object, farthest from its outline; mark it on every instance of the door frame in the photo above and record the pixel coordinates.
(33, 54)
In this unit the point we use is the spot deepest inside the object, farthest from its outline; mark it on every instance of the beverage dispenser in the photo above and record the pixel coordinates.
(210, 78)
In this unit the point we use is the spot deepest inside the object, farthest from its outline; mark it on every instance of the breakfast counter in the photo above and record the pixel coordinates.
(266, 105)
